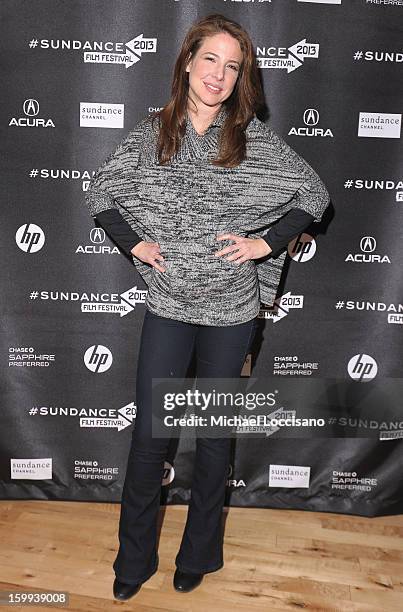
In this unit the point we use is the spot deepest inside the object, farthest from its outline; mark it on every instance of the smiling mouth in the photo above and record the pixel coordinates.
(212, 88)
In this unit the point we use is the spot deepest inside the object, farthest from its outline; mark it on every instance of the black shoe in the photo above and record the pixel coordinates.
(184, 582)
(122, 590)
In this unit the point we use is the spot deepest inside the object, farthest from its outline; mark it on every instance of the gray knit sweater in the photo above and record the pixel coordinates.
(184, 206)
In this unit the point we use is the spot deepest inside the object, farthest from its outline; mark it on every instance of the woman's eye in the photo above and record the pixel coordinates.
(233, 66)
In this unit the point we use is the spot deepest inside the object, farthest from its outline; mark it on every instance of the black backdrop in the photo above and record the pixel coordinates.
(79, 74)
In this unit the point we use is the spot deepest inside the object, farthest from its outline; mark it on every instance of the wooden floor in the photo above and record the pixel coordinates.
(274, 560)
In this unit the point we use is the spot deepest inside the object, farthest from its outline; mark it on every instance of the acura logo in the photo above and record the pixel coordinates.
(367, 244)
(97, 235)
(31, 107)
(311, 116)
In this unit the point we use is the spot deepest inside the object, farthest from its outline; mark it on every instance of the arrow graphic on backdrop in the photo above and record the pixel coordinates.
(297, 53)
(302, 49)
(280, 413)
(268, 430)
(282, 305)
(140, 45)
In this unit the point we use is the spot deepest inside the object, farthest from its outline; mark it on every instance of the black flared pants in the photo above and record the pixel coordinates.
(166, 349)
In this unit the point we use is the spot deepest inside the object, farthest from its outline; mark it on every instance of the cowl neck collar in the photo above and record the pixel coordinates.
(201, 146)
(217, 122)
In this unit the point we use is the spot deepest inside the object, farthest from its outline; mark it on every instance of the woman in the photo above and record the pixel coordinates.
(181, 194)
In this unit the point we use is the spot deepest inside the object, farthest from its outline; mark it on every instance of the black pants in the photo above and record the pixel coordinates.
(166, 348)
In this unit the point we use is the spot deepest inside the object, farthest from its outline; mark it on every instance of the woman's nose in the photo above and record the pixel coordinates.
(218, 72)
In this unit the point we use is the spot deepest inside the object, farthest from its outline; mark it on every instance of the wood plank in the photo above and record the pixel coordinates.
(274, 559)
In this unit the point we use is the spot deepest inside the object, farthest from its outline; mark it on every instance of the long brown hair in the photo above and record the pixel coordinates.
(246, 98)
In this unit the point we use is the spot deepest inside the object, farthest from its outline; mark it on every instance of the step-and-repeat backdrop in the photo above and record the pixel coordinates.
(77, 75)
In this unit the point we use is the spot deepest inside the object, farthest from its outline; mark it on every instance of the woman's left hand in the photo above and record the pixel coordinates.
(244, 248)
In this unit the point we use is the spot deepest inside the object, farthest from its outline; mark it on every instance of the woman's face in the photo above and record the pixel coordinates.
(214, 69)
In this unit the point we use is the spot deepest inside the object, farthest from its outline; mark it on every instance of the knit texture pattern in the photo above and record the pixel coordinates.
(186, 204)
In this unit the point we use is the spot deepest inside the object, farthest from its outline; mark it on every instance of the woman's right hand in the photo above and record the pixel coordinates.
(150, 253)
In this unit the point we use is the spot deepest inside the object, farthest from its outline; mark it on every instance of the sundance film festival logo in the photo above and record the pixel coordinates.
(286, 58)
(367, 255)
(92, 418)
(30, 238)
(97, 236)
(109, 303)
(101, 52)
(362, 367)
(379, 125)
(128, 301)
(302, 248)
(98, 358)
(311, 120)
(31, 111)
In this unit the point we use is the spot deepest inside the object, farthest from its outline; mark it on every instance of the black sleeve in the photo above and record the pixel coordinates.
(289, 226)
(118, 229)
